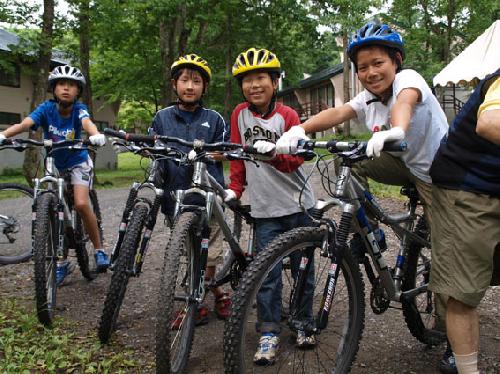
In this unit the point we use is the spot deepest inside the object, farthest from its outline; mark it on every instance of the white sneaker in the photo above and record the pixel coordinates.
(304, 341)
(267, 350)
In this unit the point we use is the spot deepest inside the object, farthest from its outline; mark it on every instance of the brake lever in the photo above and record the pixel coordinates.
(237, 156)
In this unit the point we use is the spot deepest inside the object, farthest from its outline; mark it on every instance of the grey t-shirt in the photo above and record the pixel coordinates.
(427, 126)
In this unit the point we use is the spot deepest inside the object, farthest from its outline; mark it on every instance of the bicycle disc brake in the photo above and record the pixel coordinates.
(236, 273)
(379, 300)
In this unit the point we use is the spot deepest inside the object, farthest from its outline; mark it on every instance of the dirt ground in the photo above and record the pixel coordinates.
(386, 347)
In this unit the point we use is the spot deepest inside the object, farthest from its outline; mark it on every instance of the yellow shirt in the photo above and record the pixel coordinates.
(491, 99)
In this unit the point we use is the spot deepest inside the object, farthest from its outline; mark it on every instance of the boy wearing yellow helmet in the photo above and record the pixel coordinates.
(189, 120)
(260, 121)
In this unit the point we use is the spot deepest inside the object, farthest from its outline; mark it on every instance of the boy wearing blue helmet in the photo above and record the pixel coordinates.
(395, 104)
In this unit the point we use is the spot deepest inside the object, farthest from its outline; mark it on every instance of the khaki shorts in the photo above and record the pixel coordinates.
(214, 244)
(465, 244)
(82, 174)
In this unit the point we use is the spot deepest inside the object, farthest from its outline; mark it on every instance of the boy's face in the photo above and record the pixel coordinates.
(376, 70)
(66, 91)
(258, 89)
(189, 86)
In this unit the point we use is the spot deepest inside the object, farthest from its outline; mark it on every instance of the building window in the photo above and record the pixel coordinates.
(10, 77)
(322, 97)
(9, 118)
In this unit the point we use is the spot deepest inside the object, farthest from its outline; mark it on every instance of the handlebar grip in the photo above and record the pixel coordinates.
(250, 149)
(396, 146)
(116, 134)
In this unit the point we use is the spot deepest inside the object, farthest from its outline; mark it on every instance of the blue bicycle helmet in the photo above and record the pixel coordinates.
(375, 34)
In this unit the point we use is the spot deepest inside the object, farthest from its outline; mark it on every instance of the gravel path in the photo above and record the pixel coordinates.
(386, 347)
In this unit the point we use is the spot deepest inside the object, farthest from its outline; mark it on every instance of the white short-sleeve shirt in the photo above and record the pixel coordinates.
(427, 126)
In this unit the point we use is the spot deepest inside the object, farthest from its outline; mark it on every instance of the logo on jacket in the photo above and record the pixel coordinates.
(261, 134)
(205, 124)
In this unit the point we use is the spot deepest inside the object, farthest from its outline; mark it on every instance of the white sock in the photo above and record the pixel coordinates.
(467, 364)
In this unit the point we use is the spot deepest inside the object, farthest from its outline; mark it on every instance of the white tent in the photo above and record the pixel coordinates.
(479, 59)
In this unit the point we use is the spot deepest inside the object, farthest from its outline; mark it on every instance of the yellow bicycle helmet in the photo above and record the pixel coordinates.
(255, 59)
(193, 61)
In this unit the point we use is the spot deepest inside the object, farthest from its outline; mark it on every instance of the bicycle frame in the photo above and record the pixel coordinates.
(203, 184)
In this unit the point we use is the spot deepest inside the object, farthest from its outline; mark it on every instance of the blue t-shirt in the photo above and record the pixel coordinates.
(57, 128)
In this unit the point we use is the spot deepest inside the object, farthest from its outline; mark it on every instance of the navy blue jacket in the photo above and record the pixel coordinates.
(465, 161)
(206, 124)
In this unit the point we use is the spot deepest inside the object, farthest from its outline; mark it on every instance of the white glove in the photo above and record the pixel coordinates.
(98, 140)
(230, 195)
(2, 138)
(287, 144)
(264, 147)
(376, 143)
(191, 155)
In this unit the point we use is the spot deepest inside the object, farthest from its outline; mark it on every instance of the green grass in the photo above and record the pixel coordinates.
(28, 347)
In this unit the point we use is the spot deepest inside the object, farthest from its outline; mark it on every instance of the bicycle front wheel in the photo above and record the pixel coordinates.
(122, 272)
(15, 223)
(336, 345)
(175, 318)
(45, 256)
(85, 251)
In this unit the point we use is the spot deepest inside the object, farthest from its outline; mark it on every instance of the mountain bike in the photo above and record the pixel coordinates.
(339, 296)
(56, 226)
(15, 223)
(183, 284)
(136, 226)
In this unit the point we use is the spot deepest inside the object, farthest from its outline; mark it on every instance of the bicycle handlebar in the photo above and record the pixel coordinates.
(338, 146)
(22, 144)
(197, 144)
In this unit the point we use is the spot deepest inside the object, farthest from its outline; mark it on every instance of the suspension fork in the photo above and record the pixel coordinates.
(150, 224)
(337, 249)
(122, 228)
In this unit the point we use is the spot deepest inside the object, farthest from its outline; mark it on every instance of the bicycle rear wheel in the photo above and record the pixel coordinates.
(122, 272)
(45, 257)
(336, 345)
(85, 251)
(175, 318)
(420, 312)
(15, 223)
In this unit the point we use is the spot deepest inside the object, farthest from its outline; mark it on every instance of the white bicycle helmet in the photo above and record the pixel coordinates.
(66, 72)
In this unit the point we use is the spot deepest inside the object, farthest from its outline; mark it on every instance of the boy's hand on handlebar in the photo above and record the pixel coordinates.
(98, 140)
(230, 195)
(265, 147)
(2, 138)
(287, 144)
(376, 143)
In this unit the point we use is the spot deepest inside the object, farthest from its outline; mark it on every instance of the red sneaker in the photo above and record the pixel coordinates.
(222, 306)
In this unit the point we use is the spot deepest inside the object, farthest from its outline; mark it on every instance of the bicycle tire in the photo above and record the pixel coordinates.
(86, 262)
(45, 255)
(121, 273)
(419, 312)
(16, 247)
(177, 275)
(346, 316)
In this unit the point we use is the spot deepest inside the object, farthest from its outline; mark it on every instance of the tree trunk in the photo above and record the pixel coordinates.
(31, 157)
(229, 63)
(346, 74)
(84, 32)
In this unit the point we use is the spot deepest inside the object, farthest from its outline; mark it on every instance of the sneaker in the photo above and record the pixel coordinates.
(63, 269)
(447, 364)
(222, 307)
(101, 260)
(267, 350)
(304, 341)
(201, 318)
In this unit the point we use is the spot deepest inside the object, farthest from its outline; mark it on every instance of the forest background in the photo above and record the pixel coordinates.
(126, 47)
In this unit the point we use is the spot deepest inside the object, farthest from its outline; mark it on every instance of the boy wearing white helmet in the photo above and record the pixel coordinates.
(64, 117)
